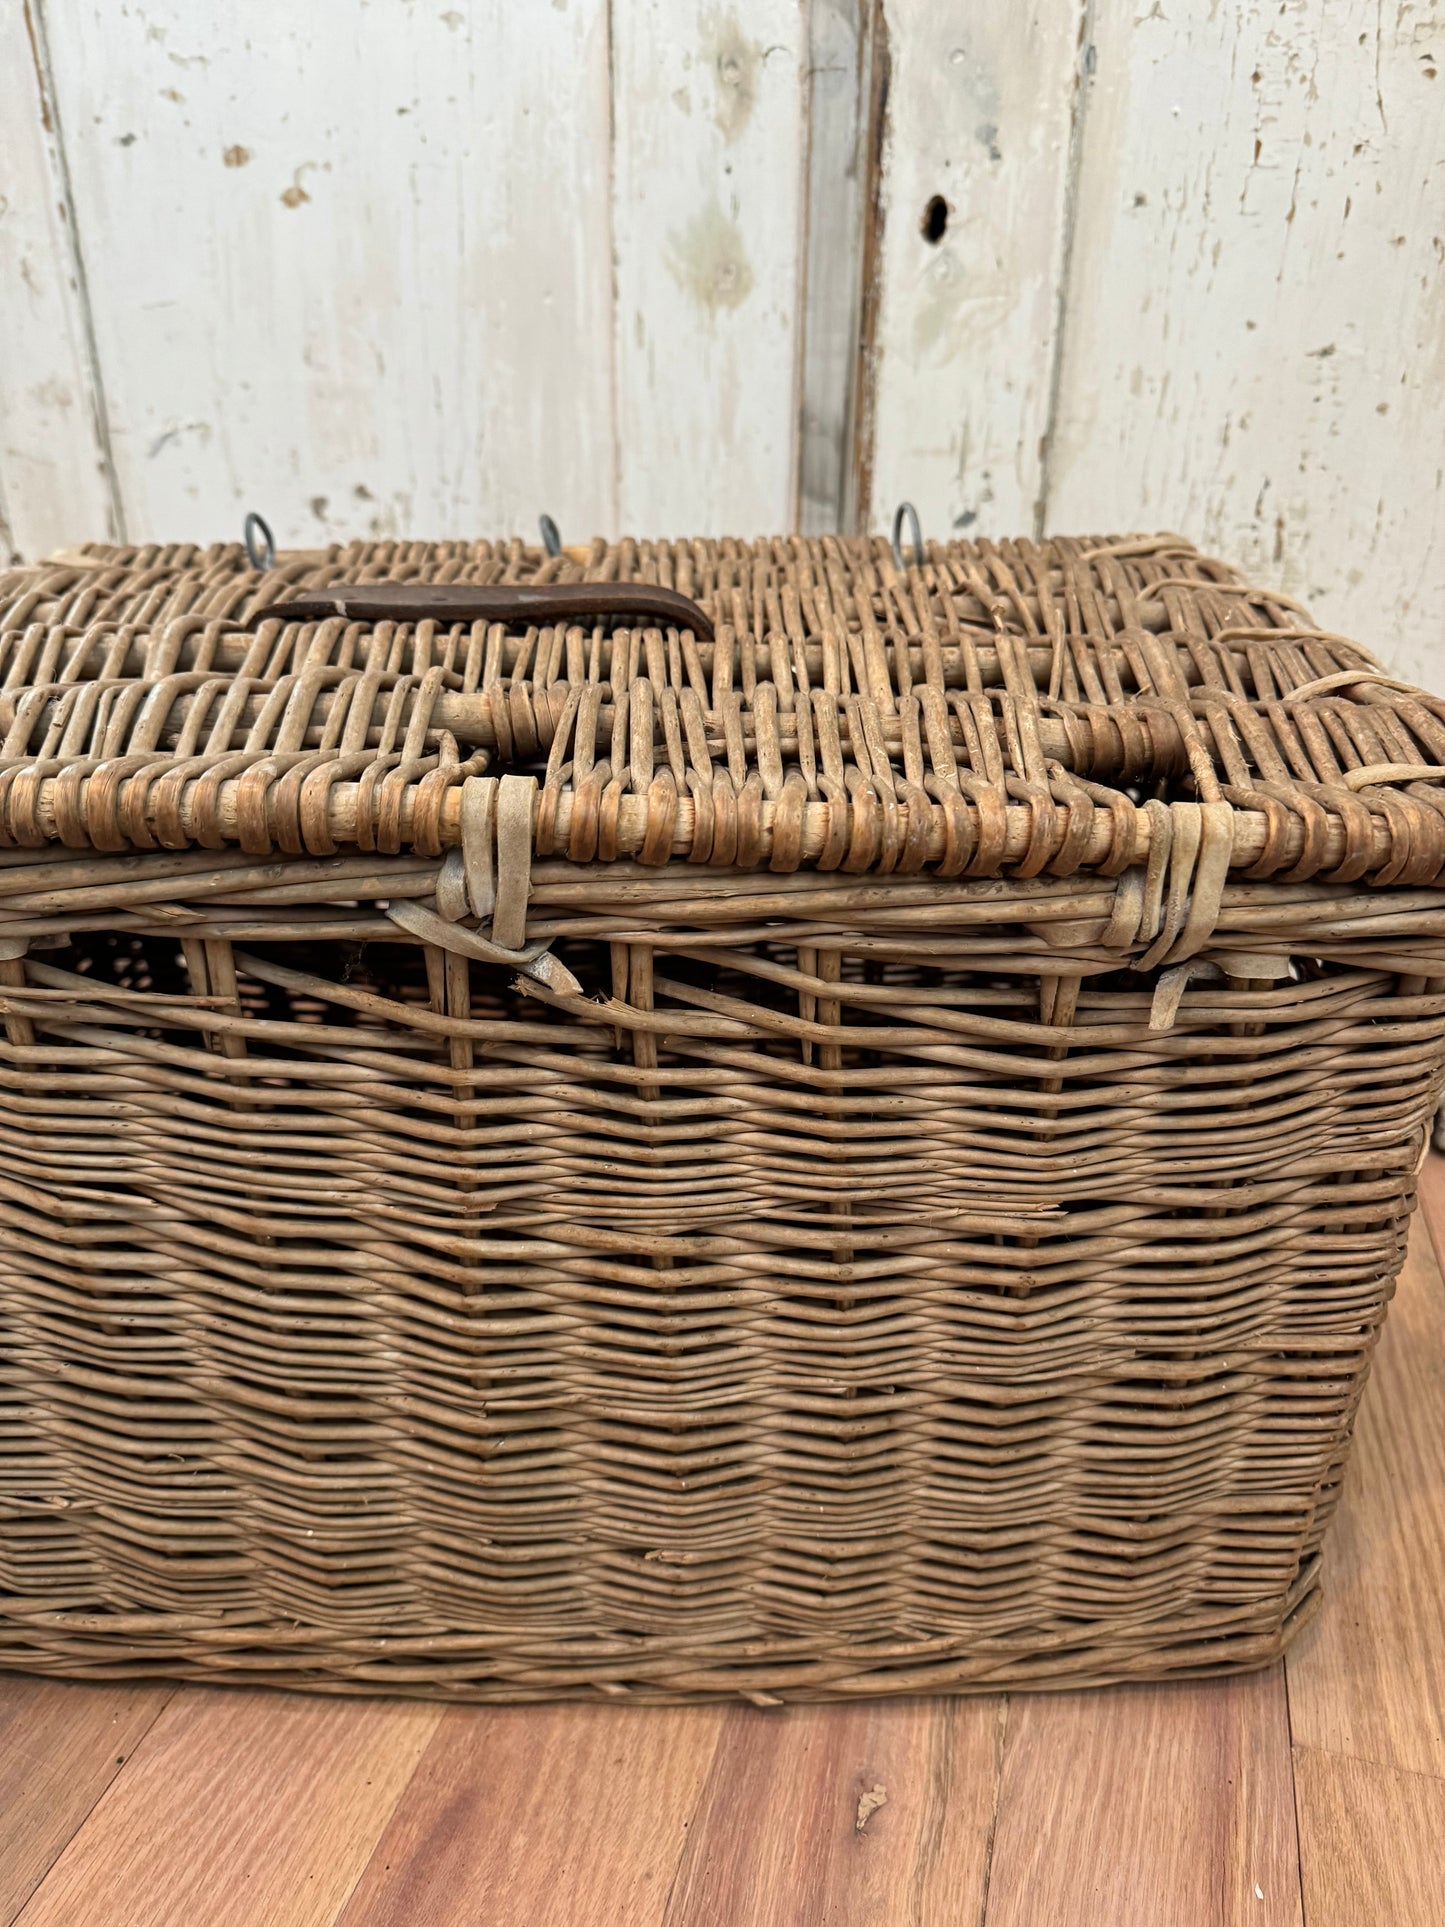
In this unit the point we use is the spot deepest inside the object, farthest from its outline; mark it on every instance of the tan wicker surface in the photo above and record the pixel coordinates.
(865, 1154)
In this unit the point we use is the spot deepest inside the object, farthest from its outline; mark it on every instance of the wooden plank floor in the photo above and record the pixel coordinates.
(1311, 1795)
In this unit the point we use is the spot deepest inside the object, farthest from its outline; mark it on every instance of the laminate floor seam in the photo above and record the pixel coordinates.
(1367, 1760)
(365, 1868)
(1294, 1793)
(63, 1846)
(999, 1746)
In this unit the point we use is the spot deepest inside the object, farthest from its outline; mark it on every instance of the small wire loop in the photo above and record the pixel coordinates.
(261, 555)
(906, 510)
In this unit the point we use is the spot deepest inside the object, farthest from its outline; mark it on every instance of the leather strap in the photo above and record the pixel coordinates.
(508, 602)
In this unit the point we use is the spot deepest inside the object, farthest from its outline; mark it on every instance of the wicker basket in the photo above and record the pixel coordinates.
(851, 1139)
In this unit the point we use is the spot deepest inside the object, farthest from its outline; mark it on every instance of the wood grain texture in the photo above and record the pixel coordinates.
(1370, 1843)
(61, 1745)
(1255, 335)
(979, 106)
(240, 1808)
(708, 151)
(848, 1816)
(54, 475)
(1366, 1675)
(349, 264)
(1144, 1806)
(561, 1816)
(1366, 1679)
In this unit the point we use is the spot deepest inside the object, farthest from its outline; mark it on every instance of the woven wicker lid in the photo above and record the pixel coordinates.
(1122, 707)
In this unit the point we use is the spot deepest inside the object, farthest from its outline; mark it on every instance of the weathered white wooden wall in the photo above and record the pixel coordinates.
(1254, 348)
(979, 114)
(435, 265)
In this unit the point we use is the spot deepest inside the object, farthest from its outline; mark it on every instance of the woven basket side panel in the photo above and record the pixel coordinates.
(402, 1332)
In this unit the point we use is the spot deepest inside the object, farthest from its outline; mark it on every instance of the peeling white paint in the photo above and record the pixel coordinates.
(1255, 350)
(979, 104)
(54, 478)
(408, 285)
(707, 211)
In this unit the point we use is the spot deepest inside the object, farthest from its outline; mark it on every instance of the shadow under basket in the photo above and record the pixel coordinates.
(934, 1243)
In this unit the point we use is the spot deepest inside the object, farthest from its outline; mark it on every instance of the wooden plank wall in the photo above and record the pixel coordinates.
(1255, 340)
(734, 266)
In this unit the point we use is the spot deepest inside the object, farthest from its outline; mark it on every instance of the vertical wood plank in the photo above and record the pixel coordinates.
(240, 1807)
(545, 1813)
(708, 148)
(349, 263)
(1365, 1678)
(1254, 347)
(61, 1745)
(1370, 1843)
(1148, 1804)
(975, 189)
(844, 1816)
(55, 484)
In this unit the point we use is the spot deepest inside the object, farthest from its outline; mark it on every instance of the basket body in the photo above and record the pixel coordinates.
(746, 1278)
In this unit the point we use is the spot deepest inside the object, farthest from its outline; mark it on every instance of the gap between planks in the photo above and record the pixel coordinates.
(62, 1745)
(239, 1807)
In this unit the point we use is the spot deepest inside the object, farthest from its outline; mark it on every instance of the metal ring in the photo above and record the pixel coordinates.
(260, 555)
(907, 509)
(551, 537)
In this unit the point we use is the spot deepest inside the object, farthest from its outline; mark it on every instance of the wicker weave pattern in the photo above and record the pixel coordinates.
(962, 717)
(865, 1156)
